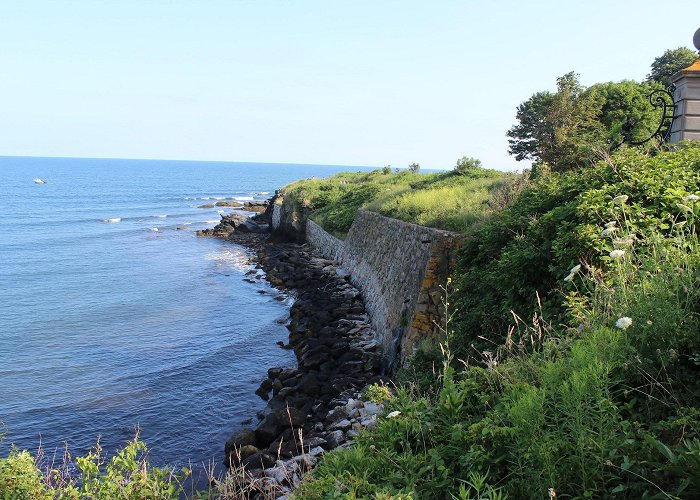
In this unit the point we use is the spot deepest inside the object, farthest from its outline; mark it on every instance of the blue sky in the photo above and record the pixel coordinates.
(336, 82)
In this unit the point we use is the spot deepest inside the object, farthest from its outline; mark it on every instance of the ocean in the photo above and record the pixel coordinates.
(116, 316)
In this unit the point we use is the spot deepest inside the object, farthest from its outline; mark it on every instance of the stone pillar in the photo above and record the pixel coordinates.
(686, 125)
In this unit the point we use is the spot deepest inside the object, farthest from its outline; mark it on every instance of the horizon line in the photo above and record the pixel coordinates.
(184, 160)
(218, 161)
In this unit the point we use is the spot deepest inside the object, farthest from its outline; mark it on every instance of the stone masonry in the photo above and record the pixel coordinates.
(686, 125)
(399, 268)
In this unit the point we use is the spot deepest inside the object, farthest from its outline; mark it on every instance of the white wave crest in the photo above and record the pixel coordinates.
(231, 258)
(113, 220)
(154, 229)
(243, 198)
(162, 216)
(210, 222)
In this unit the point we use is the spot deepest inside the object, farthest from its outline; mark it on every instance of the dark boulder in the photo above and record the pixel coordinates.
(290, 417)
(268, 429)
(244, 437)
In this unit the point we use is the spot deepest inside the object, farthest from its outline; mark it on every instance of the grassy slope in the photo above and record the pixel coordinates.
(441, 200)
(578, 400)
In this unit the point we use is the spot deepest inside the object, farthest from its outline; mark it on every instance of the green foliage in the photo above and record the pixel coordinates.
(571, 127)
(127, 474)
(672, 61)
(386, 170)
(556, 223)
(550, 126)
(378, 393)
(466, 164)
(21, 479)
(615, 105)
(441, 200)
(414, 168)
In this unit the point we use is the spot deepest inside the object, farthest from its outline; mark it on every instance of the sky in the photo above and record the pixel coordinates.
(301, 81)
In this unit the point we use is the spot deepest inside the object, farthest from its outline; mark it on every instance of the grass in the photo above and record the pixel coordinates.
(440, 200)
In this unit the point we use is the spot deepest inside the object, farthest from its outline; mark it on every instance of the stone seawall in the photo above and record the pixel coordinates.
(399, 268)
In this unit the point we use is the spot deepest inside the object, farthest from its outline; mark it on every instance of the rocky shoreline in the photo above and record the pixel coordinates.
(313, 407)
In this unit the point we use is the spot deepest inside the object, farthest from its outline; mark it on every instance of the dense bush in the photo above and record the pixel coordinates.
(127, 474)
(517, 260)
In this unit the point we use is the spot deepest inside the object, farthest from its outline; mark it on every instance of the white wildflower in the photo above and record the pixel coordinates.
(620, 200)
(692, 198)
(617, 254)
(612, 223)
(393, 414)
(609, 230)
(623, 323)
(573, 272)
(684, 208)
(623, 242)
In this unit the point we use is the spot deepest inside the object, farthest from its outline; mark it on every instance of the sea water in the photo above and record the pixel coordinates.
(116, 316)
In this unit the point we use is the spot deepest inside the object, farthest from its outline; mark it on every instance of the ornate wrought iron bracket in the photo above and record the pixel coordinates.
(659, 98)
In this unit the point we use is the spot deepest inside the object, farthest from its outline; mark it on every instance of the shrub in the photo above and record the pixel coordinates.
(466, 164)
(556, 223)
(127, 474)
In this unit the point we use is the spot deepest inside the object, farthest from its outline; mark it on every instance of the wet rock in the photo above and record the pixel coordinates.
(261, 460)
(229, 203)
(267, 430)
(313, 407)
(290, 417)
(244, 437)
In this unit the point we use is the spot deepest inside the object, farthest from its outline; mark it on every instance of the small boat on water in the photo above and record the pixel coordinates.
(39, 181)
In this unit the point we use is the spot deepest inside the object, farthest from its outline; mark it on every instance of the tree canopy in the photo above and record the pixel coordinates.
(570, 127)
(467, 164)
(666, 65)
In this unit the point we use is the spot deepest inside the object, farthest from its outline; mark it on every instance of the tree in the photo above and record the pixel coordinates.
(666, 65)
(386, 170)
(467, 164)
(568, 129)
(550, 124)
(621, 104)
(533, 131)
(414, 167)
